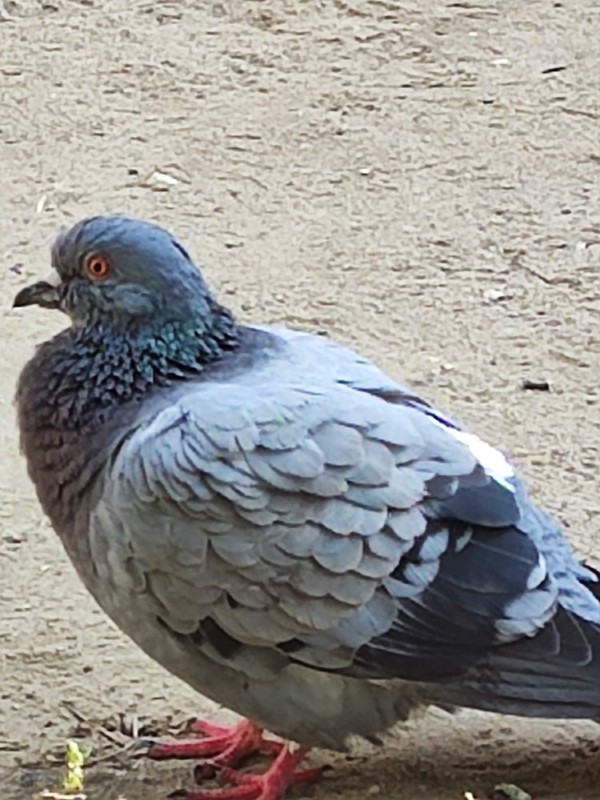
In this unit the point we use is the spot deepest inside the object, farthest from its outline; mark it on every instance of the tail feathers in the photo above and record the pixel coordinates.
(555, 674)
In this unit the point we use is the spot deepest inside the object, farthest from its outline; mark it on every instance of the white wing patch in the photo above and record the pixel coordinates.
(492, 460)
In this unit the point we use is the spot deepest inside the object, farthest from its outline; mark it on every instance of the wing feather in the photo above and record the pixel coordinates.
(328, 523)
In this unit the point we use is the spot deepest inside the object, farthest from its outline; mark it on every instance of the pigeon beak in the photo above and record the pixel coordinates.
(43, 293)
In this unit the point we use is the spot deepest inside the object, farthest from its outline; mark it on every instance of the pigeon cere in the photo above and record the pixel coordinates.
(284, 527)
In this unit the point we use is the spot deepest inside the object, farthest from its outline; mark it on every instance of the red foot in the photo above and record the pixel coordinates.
(226, 747)
(271, 785)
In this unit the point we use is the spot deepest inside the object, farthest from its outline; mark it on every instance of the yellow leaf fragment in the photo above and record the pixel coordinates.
(73, 783)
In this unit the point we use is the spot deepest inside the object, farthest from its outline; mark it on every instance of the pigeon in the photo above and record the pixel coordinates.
(281, 525)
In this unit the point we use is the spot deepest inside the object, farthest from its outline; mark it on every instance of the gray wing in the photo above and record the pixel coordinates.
(324, 525)
(487, 504)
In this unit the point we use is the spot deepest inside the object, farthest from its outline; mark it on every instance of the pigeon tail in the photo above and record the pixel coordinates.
(555, 674)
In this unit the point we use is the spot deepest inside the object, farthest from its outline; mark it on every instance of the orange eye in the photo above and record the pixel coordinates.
(97, 266)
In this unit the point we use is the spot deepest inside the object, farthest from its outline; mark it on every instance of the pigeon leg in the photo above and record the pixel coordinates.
(226, 747)
(271, 785)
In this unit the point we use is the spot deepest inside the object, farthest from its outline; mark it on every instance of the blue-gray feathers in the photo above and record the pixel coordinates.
(282, 525)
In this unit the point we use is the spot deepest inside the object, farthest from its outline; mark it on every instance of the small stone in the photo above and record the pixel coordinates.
(12, 538)
(535, 385)
(494, 295)
(508, 791)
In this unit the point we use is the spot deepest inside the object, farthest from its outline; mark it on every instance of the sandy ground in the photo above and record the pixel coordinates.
(419, 179)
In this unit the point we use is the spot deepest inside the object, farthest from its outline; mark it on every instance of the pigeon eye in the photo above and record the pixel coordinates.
(97, 266)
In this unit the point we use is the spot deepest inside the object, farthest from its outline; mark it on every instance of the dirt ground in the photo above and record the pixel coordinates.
(420, 179)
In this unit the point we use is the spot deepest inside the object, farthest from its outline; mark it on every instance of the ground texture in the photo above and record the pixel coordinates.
(419, 179)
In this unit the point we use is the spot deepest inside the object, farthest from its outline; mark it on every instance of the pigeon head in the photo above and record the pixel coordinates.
(141, 317)
(123, 272)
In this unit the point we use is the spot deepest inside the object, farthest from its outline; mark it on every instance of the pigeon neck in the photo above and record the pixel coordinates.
(87, 371)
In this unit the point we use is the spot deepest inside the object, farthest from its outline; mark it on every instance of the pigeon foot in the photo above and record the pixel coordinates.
(225, 746)
(270, 785)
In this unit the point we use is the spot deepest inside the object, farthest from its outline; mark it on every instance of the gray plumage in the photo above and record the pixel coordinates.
(280, 524)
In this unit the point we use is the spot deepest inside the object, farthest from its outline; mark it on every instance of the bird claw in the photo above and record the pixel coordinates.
(226, 747)
(271, 785)
(141, 748)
